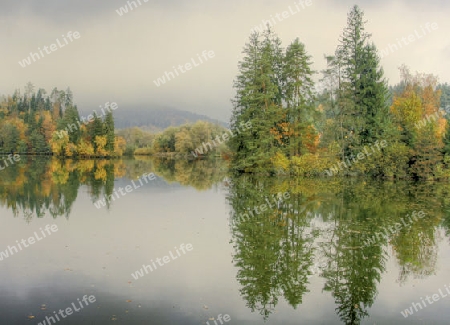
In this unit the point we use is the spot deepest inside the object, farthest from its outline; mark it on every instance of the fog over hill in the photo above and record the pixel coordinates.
(156, 118)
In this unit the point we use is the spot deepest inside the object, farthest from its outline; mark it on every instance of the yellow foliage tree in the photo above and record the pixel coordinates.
(71, 150)
(100, 141)
(59, 142)
(85, 149)
(48, 125)
(119, 146)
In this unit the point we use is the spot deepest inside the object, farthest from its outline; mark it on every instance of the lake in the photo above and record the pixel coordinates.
(183, 242)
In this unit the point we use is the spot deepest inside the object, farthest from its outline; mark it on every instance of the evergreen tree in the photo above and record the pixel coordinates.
(362, 94)
(268, 80)
(10, 136)
(373, 92)
(37, 142)
(350, 54)
(426, 155)
(108, 129)
(95, 128)
(298, 94)
(68, 98)
(70, 122)
(256, 98)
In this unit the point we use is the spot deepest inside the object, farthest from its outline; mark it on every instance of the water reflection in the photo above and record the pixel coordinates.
(37, 186)
(334, 224)
(338, 231)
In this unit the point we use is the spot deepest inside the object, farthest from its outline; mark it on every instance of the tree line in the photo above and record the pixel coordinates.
(38, 123)
(42, 123)
(302, 128)
(177, 141)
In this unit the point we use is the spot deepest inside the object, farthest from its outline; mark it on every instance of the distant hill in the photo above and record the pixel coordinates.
(157, 119)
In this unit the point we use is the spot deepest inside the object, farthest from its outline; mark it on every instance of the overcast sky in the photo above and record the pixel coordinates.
(117, 58)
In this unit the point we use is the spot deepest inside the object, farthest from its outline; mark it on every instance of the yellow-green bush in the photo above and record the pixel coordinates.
(143, 151)
(280, 163)
(309, 164)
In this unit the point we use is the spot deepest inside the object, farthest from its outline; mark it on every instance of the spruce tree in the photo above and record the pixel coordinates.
(350, 55)
(373, 93)
(274, 91)
(363, 93)
(298, 94)
(258, 100)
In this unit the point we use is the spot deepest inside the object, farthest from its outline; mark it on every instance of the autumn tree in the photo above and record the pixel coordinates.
(417, 114)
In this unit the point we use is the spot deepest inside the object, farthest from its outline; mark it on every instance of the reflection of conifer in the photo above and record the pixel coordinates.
(273, 252)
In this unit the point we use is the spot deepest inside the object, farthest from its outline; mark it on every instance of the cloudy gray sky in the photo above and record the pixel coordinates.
(117, 58)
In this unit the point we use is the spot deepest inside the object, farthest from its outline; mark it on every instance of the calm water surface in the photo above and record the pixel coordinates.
(263, 250)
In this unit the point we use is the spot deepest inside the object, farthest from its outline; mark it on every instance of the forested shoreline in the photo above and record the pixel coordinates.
(299, 127)
(39, 123)
(176, 141)
(299, 130)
